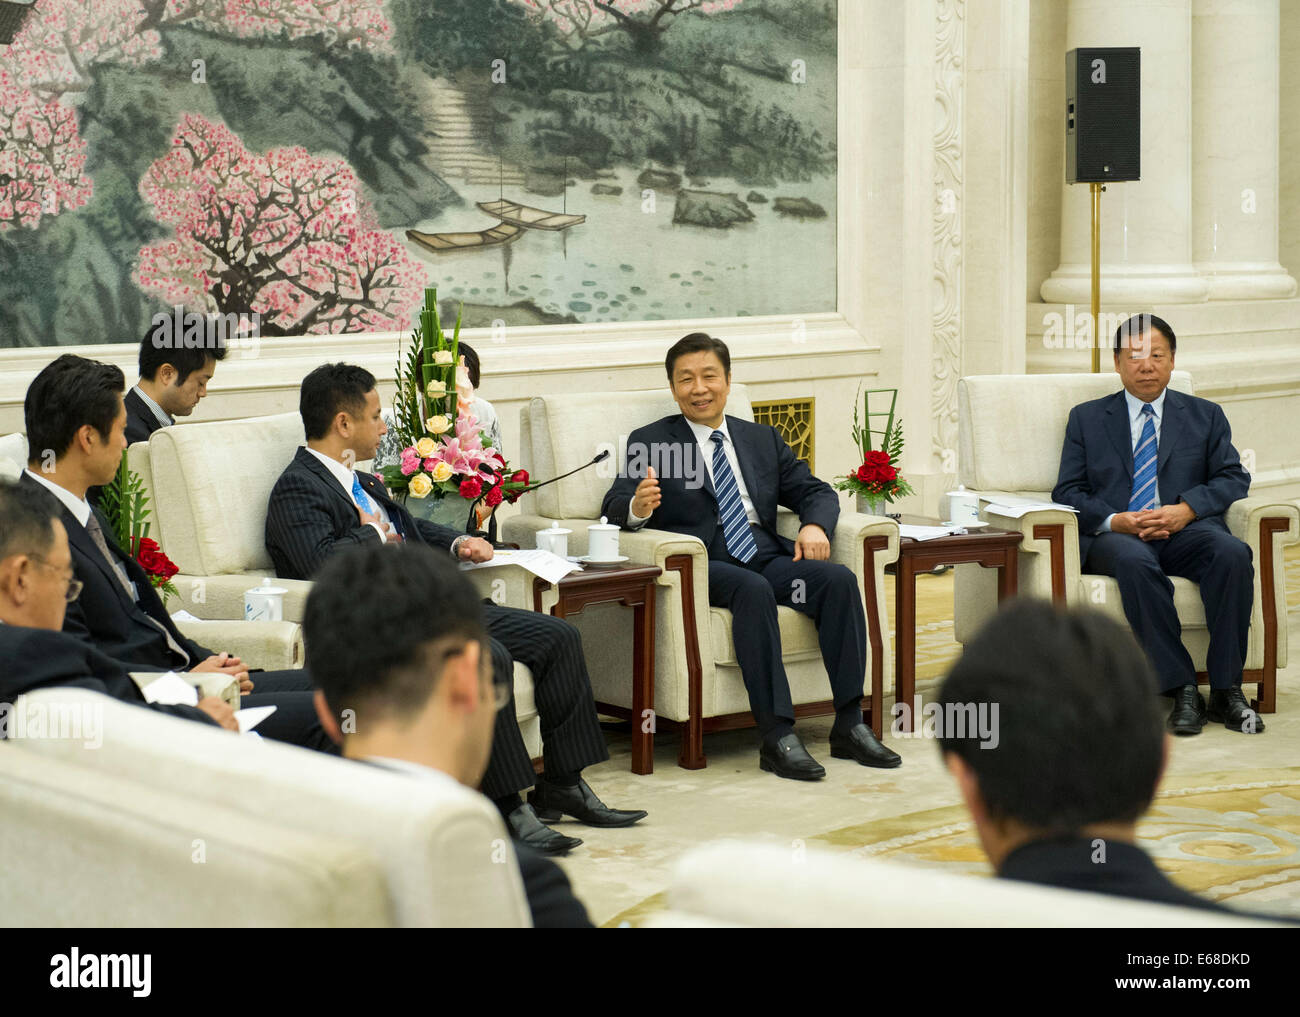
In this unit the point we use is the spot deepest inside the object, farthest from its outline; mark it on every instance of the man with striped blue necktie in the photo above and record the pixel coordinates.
(721, 479)
(1152, 472)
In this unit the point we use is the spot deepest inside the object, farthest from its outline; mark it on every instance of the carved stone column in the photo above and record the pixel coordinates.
(1146, 225)
(1235, 99)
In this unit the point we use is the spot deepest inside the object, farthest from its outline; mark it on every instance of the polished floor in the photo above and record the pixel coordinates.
(621, 875)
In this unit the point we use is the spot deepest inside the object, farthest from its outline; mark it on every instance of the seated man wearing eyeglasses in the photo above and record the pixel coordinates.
(36, 586)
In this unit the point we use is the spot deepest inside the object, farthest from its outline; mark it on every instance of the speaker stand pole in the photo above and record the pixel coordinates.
(1096, 189)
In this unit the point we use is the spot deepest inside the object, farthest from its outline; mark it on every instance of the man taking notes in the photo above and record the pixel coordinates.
(744, 471)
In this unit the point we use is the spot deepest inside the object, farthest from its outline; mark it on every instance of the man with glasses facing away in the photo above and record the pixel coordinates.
(36, 586)
(412, 663)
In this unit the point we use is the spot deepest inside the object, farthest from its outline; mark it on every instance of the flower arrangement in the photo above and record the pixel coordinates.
(444, 454)
(877, 481)
(126, 507)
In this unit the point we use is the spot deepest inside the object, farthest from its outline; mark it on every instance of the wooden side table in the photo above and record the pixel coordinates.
(632, 586)
(988, 547)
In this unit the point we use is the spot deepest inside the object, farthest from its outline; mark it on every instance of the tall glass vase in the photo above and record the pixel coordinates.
(871, 506)
(449, 511)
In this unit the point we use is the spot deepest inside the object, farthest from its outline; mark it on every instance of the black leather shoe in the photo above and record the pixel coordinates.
(581, 803)
(1229, 706)
(861, 744)
(788, 758)
(1188, 715)
(526, 828)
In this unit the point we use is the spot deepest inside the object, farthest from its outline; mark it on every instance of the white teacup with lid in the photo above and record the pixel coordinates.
(602, 541)
(555, 539)
(265, 602)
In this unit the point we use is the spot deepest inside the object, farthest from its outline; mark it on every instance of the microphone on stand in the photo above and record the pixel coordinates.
(469, 524)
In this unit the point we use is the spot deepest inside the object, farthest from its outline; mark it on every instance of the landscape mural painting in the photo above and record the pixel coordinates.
(318, 163)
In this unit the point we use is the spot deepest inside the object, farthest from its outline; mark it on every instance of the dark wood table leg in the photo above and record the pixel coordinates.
(1007, 575)
(643, 683)
(905, 638)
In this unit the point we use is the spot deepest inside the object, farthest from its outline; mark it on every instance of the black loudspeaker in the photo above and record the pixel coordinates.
(1103, 114)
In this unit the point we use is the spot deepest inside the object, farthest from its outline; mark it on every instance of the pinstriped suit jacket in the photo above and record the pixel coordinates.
(309, 517)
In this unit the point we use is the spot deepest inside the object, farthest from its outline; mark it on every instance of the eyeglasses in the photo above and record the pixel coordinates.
(502, 691)
(75, 585)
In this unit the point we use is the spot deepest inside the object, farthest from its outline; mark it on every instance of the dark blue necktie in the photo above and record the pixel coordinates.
(1144, 464)
(735, 527)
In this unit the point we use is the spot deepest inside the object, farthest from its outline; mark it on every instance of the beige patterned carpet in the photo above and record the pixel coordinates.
(1226, 822)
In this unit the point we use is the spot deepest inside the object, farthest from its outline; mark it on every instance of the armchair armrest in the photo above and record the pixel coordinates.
(273, 646)
(221, 598)
(1266, 526)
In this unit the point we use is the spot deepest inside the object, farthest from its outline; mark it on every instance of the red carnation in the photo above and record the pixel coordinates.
(493, 497)
(519, 477)
(471, 488)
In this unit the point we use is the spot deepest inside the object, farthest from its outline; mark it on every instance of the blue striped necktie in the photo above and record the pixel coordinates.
(360, 497)
(735, 527)
(1144, 464)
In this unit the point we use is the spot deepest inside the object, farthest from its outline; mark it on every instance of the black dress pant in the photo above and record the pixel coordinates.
(1204, 552)
(551, 649)
(294, 720)
(826, 592)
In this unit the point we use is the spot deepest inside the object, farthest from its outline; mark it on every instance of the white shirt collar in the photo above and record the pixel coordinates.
(341, 473)
(414, 769)
(79, 507)
(1135, 404)
(163, 416)
(704, 433)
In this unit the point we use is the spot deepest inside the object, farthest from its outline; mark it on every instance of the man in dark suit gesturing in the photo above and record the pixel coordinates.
(321, 505)
(733, 474)
(1151, 472)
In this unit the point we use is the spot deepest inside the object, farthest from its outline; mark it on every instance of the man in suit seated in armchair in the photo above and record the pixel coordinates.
(1151, 472)
(321, 506)
(76, 423)
(730, 504)
(37, 583)
(423, 697)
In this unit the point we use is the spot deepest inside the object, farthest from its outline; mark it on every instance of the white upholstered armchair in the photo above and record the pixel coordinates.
(1011, 428)
(698, 687)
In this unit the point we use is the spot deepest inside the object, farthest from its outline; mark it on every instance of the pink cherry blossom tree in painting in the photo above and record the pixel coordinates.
(285, 235)
(42, 158)
(643, 21)
(41, 152)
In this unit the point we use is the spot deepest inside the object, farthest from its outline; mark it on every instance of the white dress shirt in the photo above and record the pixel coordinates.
(703, 438)
(79, 507)
(1136, 421)
(345, 478)
(163, 416)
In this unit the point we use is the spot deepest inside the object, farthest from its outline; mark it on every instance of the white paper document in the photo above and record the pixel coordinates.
(542, 564)
(1016, 506)
(926, 532)
(249, 717)
(184, 616)
(171, 690)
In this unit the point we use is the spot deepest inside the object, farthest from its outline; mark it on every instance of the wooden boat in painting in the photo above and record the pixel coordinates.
(501, 233)
(516, 214)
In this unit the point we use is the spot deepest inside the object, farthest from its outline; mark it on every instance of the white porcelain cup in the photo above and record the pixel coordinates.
(962, 506)
(264, 603)
(602, 541)
(554, 539)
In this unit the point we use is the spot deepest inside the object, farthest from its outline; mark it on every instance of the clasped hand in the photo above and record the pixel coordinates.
(1154, 524)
